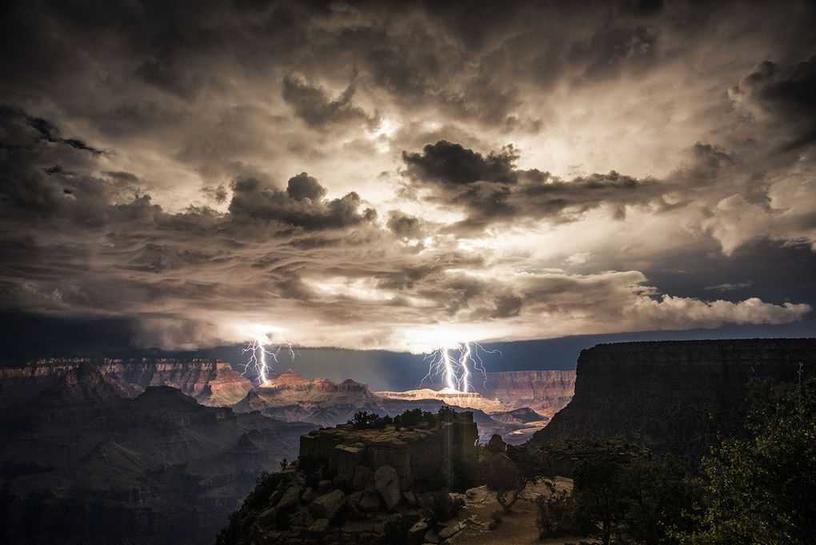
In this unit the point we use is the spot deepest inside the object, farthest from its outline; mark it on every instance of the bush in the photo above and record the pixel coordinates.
(411, 418)
(366, 420)
(761, 490)
(637, 498)
(555, 513)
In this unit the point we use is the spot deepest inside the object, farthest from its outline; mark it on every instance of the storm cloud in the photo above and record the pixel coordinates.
(371, 174)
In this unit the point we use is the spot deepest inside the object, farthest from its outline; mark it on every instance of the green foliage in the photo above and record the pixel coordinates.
(411, 418)
(761, 490)
(556, 513)
(365, 420)
(634, 499)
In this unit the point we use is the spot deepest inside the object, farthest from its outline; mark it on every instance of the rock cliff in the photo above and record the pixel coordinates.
(85, 462)
(211, 382)
(464, 400)
(675, 396)
(380, 484)
(544, 391)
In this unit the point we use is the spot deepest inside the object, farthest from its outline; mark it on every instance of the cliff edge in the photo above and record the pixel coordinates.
(675, 396)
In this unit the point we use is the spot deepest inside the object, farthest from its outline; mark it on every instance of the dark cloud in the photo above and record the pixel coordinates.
(611, 50)
(404, 225)
(491, 189)
(303, 186)
(787, 94)
(314, 106)
(141, 141)
(43, 173)
(450, 163)
(299, 206)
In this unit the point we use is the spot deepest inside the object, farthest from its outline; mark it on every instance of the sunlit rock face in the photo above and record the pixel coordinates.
(674, 396)
(544, 391)
(211, 382)
(291, 397)
(465, 400)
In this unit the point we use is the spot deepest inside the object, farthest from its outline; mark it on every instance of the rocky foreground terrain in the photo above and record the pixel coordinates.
(372, 483)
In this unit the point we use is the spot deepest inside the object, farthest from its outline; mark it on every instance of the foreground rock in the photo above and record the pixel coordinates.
(389, 484)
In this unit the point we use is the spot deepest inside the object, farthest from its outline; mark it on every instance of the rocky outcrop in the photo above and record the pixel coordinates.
(424, 456)
(544, 391)
(212, 382)
(676, 396)
(381, 484)
(293, 398)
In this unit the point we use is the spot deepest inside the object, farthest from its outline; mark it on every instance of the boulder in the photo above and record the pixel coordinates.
(438, 504)
(290, 498)
(319, 526)
(300, 518)
(417, 532)
(450, 530)
(268, 518)
(308, 496)
(363, 478)
(386, 482)
(275, 497)
(324, 486)
(327, 505)
(369, 502)
(410, 498)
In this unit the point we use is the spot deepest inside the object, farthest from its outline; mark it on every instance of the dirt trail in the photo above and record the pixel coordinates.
(516, 528)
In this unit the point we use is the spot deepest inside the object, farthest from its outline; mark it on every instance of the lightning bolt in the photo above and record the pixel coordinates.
(464, 362)
(260, 357)
(457, 372)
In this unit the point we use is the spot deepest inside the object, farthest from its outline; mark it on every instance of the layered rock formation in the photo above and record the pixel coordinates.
(676, 396)
(465, 400)
(212, 382)
(423, 456)
(289, 396)
(544, 391)
(377, 485)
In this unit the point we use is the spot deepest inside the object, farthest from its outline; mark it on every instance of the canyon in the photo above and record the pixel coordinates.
(544, 391)
(84, 461)
(211, 382)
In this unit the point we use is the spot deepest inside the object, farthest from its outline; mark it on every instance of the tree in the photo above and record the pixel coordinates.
(761, 490)
(599, 496)
(634, 496)
(555, 512)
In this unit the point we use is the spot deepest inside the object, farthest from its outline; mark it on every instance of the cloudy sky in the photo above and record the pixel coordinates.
(407, 175)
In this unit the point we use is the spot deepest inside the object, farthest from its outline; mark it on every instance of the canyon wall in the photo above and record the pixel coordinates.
(211, 382)
(546, 391)
(676, 396)
(85, 463)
